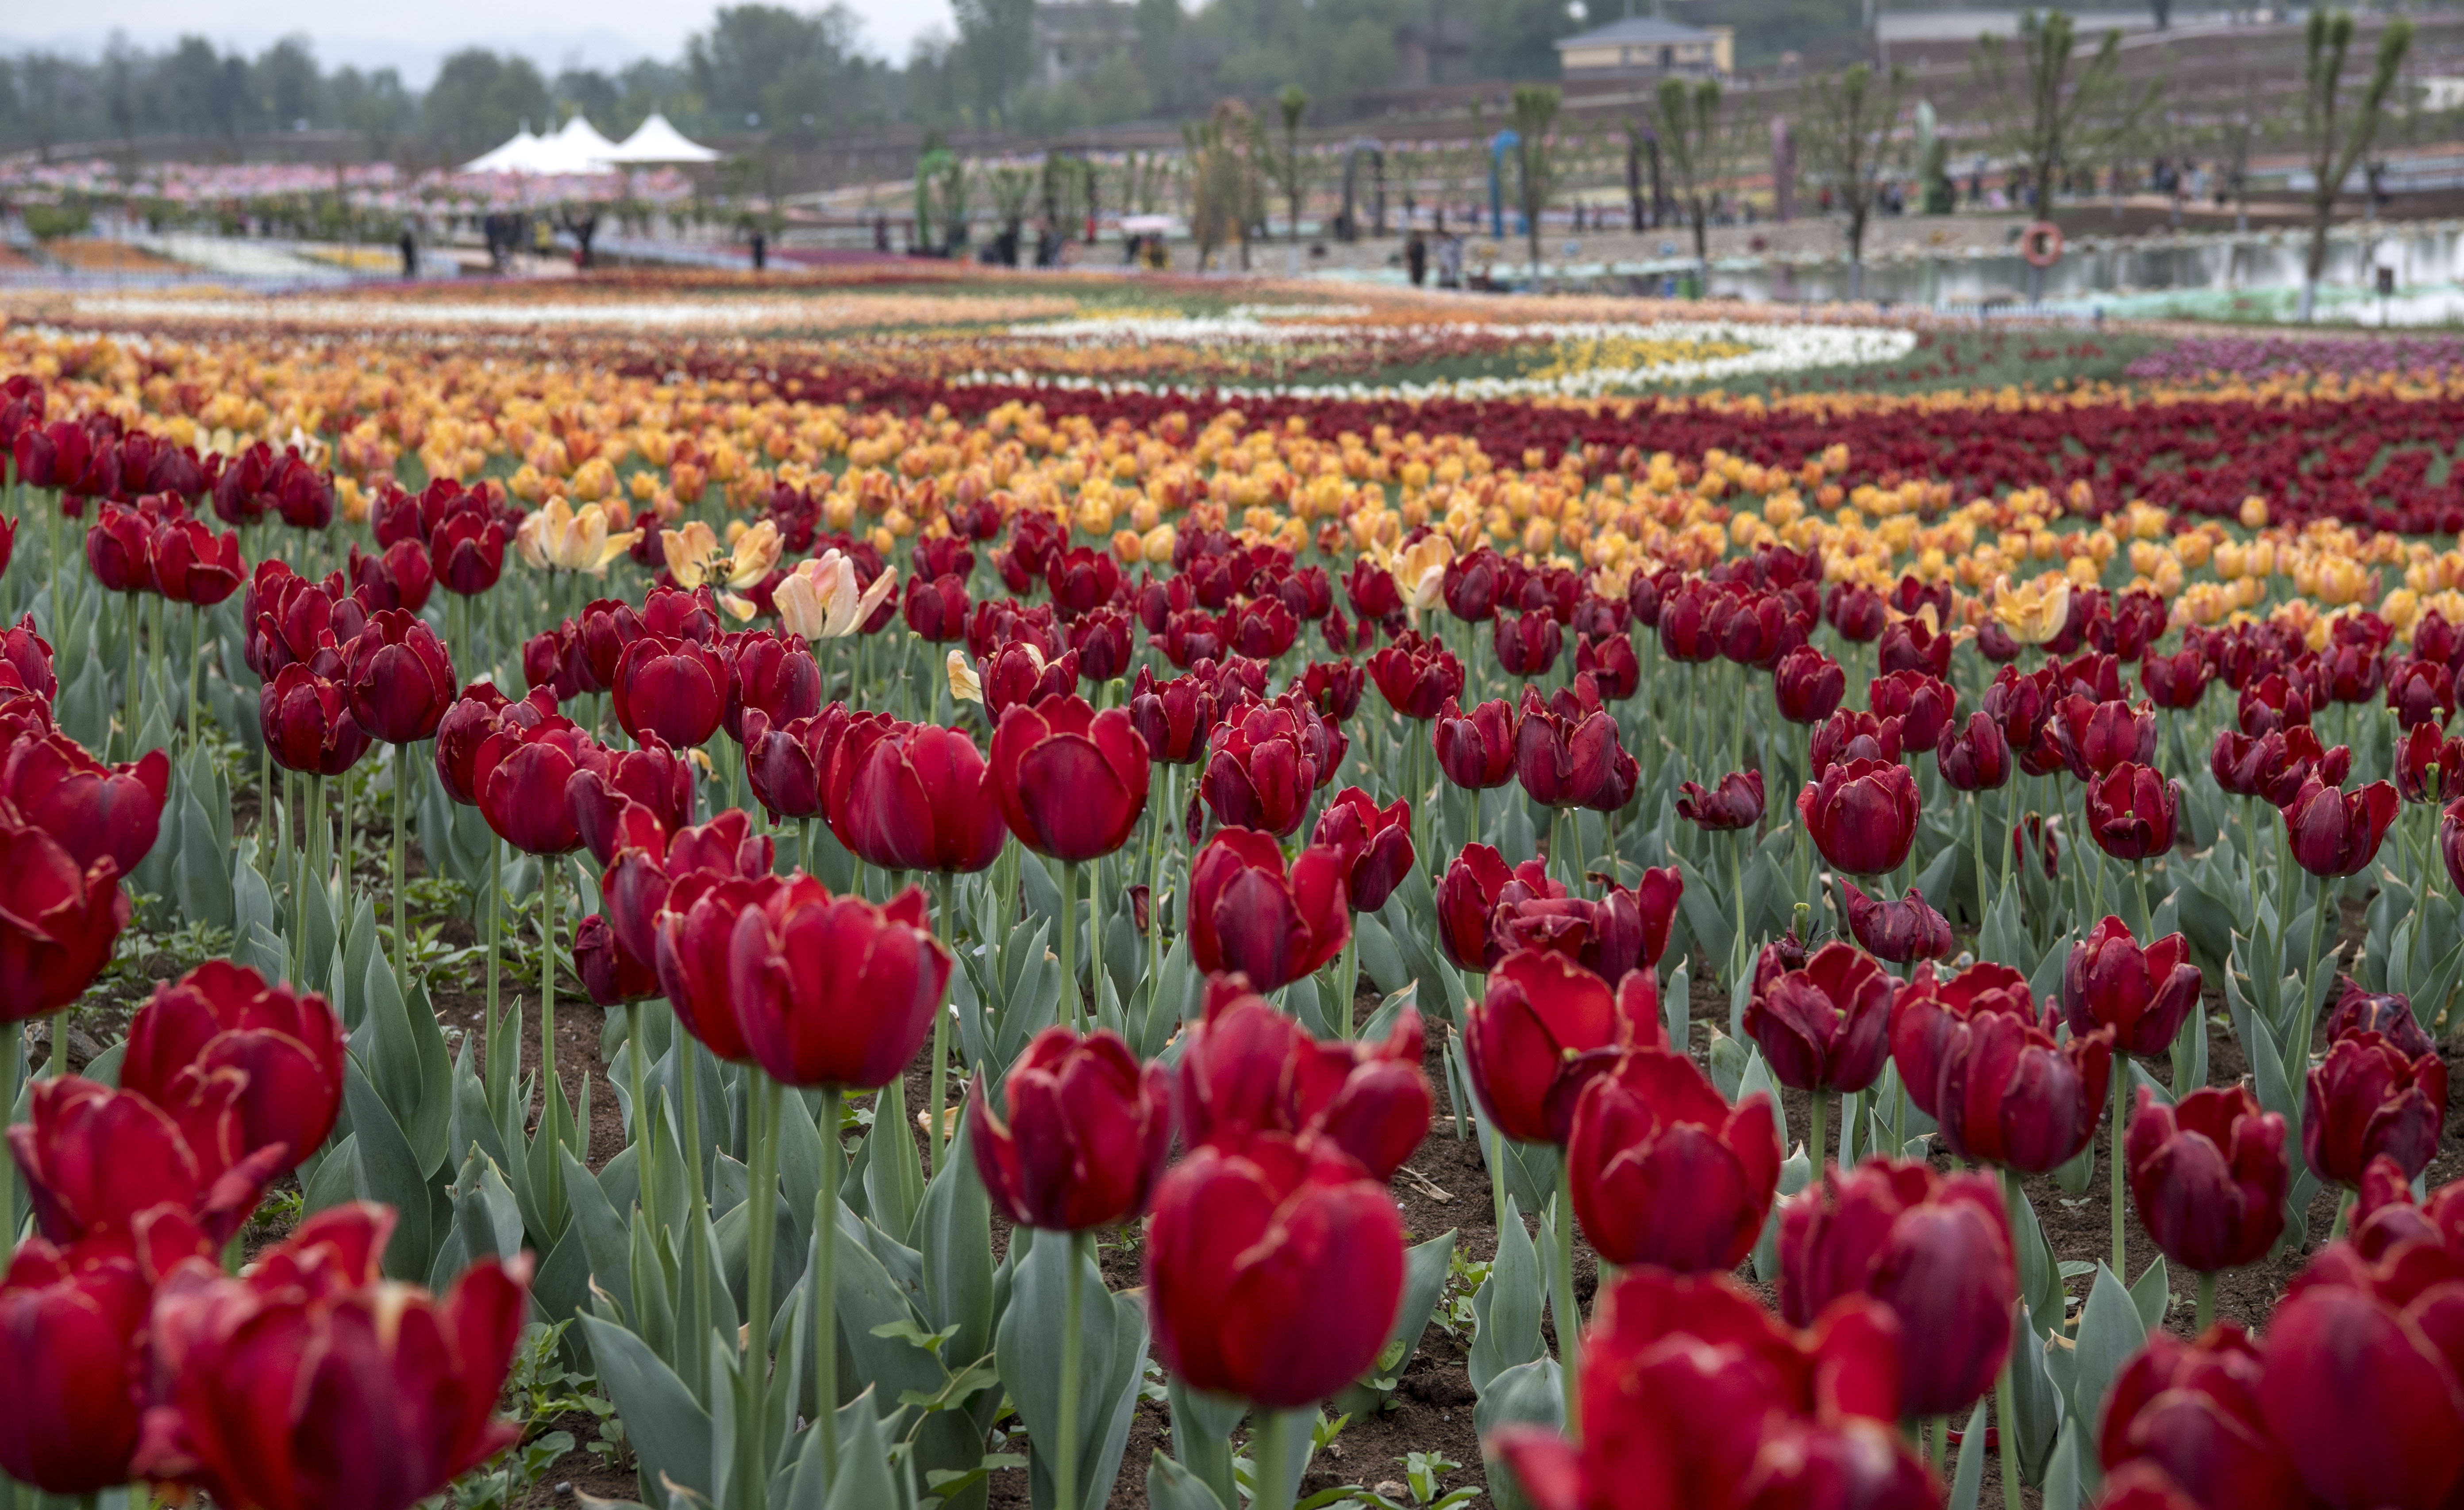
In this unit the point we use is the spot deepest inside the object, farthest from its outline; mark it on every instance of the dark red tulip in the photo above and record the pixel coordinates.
(1372, 591)
(2184, 1420)
(696, 932)
(1259, 772)
(466, 550)
(1852, 733)
(2142, 995)
(2429, 765)
(399, 677)
(1914, 645)
(935, 608)
(28, 656)
(302, 494)
(610, 972)
(119, 549)
(1936, 1250)
(1083, 1133)
(1273, 1269)
(835, 991)
(96, 1160)
(1609, 659)
(1019, 676)
(2208, 1176)
(1926, 1010)
(1101, 640)
(58, 920)
(2009, 1095)
(1688, 621)
(1827, 1026)
(459, 733)
(1246, 913)
(552, 662)
(2369, 1097)
(522, 772)
(1759, 628)
(72, 1379)
(774, 672)
(1862, 815)
(1857, 612)
(2272, 703)
(1377, 843)
(1172, 718)
(1071, 781)
(1738, 803)
(193, 565)
(1475, 749)
(1261, 628)
(615, 791)
(671, 687)
(2336, 833)
(94, 811)
(2273, 765)
(307, 723)
(1664, 1171)
(1900, 932)
(398, 577)
(919, 798)
(2133, 812)
(2177, 681)
(2366, 1397)
(2420, 693)
(1974, 757)
(1624, 930)
(1544, 1029)
(51, 456)
(1334, 687)
(224, 1017)
(1568, 754)
(313, 1381)
(2450, 841)
(787, 768)
(1416, 676)
(1306, 593)
(1246, 1068)
(1469, 892)
(1808, 685)
(2390, 1014)
(2096, 738)
(1923, 705)
(1528, 643)
(1472, 584)
(1082, 578)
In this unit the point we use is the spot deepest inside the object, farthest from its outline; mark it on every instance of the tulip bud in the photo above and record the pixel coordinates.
(1246, 915)
(1809, 686)
(1071, 781)
(1825, 1027)
(2009, 1095)
(1475, 749)
(2365, 1098)
(1663, 1171)
(2335, 833)
(2142, 995)
(2208, 1175)
(832, 991)
(1546, 1027)
(1082, 1136)
(1862, 815)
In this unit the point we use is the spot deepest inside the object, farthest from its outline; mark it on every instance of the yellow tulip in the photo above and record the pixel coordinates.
(965, 687)
(2036, 612)
(819, 599)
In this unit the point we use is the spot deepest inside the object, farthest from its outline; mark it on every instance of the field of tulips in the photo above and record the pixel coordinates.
(682, 918)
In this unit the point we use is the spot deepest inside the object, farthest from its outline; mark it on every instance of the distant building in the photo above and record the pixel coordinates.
(1644, 47)
(1072, 39)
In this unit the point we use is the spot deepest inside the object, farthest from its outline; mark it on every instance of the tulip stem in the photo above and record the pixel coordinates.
(13, 1074)
(2006, 1416)
(1073, 1313)
(2121, 1086)
(548, 1085)
(1976, 837)
(1347, 977)
(494, 1028)
(1069, 925)
(762, 1232)
(689, 1072)
(128, 702)
(638, 1050)
(2345, 1201)
(1570, 1313)
(934, 1141)
(1270, 1450)
(1820, 1102)
(196, 653)
(2207, 1308)
(401, 934)
(2146, 914)
(825, 1269)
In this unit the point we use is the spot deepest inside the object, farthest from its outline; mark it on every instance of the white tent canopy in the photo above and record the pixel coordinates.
(578, 148)
(575, 150)
(513, 157)
(656, 141)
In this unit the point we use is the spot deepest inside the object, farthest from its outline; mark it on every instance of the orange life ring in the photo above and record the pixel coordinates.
(2041, 244)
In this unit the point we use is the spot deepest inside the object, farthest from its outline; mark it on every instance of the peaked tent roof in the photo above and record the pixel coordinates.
(578, 148)
(513, 156)
(656, 141)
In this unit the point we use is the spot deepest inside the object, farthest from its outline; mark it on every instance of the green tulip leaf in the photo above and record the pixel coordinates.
(666, 1429)
(1967, 1481)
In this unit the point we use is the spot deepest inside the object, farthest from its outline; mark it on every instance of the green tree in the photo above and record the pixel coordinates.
(1292, 171)
(480, 98)
(996, 50)
(2338, 134)
(1535, 110)
(1687, 122)
(765, 65)
(1852, 135)
(2058, 110)
(285, 82)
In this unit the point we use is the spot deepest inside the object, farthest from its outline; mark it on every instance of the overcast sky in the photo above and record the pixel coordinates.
(413, 38)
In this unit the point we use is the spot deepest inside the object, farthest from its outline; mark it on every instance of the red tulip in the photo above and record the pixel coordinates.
(696, 932)
(1900, 932)
(672, 687)
(2270, 704)
(96, 1160)
(1923, 705)
(919, 798)
(1738, 803)
(1469, 892)
(1020, 675)
(1809, 686)
(1851, 734)
(27, 657)
(1695, 1397)
(1568, 754)
(307, 723)
(1926, 1011)
(1274, 1270)
(1528, 643)
(195, 565)
(72, 1375)
(1975, 757)
(935, 608)
(2142, 995)
(2335, 833)
(1415, 676)
(2390, 1014)
(610, 973)
(1258, 770)
(788, 768)
(2420, 694)
(1246, 915)
(2429, 765)
(94, 811)
(459, 735)
(1862, 815)
(466, 550)
(59, 921)
(2273, 765)
(2132, 812)
(1609, 661)
(2208, 1175)
(315, 1384)
(1083, 1135)
(1664, 1171)
(2369, 1097)
(1824, 1027)
(775, 672)
(220, 1018)
(2186, 1416)
(610, 786)
(1624, 930)
(834, 991)
(1246, 1068)
(399, 677)
(1172, 718)
(1372, 590)
(2009, 1095)
(1544, 1029)
(1914, 645)
(1936, 1250)
(1472, 585)
(119, 549)
(1333, 688)
(1377, 843)
(302, 494)
(1071, 781)
(523, 774)
(2095, 737)
(2364, 1390)
(1475, 749)
(2176, 681)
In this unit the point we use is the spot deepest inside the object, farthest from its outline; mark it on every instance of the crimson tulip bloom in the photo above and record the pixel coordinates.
(2390, 1014)
(1664, 1171)
(1372, 591)
(1923, 705)
(73, 1377)
(2450, 841)
(96, 1160)
(1934, 1249)
(697, 932)
(1475, 749)
(2270, 704)
(1274, 1269)
(1334, 687)
(2176, 681)
(59, 921)
(223, 1018)
(1900, 932)
(522, 775)
(2209, 1175)
(1862, 815)
(1469, 892)
(1926, 1010)
(400, 678)
(2095, 739)
(1544, 1029)
(1020, 675)
(1259, 772)
(1172, 718)
(1071, 781)
(1416, 676)
(2336, 833)
(315, 1383)
(1825, 1027)
(1851, 734)
(1472, 584)
(1246, 915)
(1738, 803)
(94, 811)
(835, 992)
(1624, 930)
(1609, 661)
(2369, 1097)
(919, 798)
(1695, 1396)
(2009, 1095)
(1914, 645)
(611, 972)
(2185, 1418)
(119, 550)
(2365, 1394)
(1528, 643)
(1245, 1068)
(28, 655)
(466, 551)
(637, 886)
(1376, 841)
(1808, 686)
(774, 672)
(459, 735)
(608, 783)
(2420, 693)
(2142, 995)
(1083, 1135)
(2429, 765)
(2132, 812)
(672, 687)
(195, 565)
(1975, 757)
(788, 768)
(398, 577)
(307, 723)
(937, 608)
(1567, 755)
